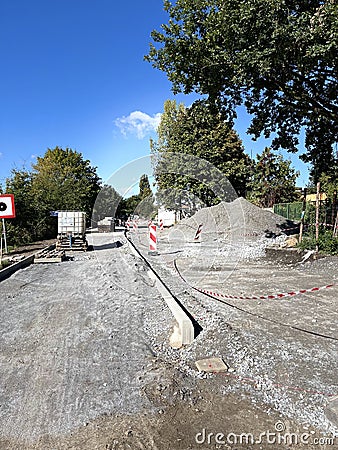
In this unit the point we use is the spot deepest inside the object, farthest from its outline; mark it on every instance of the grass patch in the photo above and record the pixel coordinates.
(5, 263)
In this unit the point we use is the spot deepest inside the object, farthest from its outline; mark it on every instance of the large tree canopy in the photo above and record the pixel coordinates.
(277, 57)
(194, 131)
(60, 180)
(63, 180)
(107, 203)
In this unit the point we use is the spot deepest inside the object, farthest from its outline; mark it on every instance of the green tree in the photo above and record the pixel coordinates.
(329, 185)
(273, 180)
(141, 204)
(60, 180)
(24, 227)
(107, 204)
(129, 205)
(63, 180)
(199, 132)
(146, 206)
(144, 186)
(276, 57)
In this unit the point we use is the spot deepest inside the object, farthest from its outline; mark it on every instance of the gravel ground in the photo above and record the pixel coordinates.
(286, 348)
(67, 331)
(86, 361)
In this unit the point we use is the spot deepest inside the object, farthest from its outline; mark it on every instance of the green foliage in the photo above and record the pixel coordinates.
(23, 228)
(128, 206)
(273, 180)
(326, 242)
(107, 204)
(329, 185)
(276, 57)
(141, 204)
(199, 132)
(146, 207)
(5, 263)
(60, 180)
(63, 180)
(144, 186)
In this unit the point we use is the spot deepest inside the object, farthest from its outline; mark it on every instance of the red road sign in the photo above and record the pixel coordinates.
(7, 208)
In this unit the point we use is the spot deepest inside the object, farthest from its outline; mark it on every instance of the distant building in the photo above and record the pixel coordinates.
(312, 197)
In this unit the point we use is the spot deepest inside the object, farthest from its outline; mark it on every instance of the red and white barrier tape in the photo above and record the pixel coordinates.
(264, 297)
(324, 224)
(254, 297)
(249, 380)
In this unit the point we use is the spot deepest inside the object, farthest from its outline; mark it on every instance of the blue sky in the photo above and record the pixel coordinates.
(73, 75)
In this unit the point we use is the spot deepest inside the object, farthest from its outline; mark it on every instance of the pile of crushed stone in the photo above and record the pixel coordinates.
(237, 218)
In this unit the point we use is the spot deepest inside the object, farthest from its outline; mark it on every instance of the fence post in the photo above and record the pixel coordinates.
(333, 212)
(302, 216)
(317, 215)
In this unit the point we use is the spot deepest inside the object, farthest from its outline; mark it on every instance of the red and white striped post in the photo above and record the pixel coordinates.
(197, 237)
(161, 225)
(152, 238)
(128, 225)
(150, 222)
(135, 226)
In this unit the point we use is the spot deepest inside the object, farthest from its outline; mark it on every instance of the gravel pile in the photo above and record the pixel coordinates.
(238, 218)
(232, 231)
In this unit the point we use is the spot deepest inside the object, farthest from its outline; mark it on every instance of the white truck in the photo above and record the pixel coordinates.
(168, 217)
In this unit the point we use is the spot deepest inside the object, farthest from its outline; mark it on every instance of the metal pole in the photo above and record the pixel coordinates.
(317, 215)
(333, 212)
(5, 237)
(1, 245)
(302, 217)
(335, 229)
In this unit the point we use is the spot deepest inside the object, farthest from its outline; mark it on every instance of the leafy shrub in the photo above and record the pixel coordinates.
(327, 243)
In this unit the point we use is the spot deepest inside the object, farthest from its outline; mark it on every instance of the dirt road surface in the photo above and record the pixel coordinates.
(86, 361)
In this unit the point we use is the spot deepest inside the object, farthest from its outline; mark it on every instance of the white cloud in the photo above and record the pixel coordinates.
(138, 123)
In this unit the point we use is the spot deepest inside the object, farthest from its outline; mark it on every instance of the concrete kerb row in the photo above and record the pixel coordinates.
(183, 333)
(8, 271)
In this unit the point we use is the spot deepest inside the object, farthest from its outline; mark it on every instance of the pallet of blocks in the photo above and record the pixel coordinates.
(49, 255)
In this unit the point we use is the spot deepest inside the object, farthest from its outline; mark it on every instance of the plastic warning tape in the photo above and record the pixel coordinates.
(249, 380)
(264, 297)
(254, 297)
(256, 233)
(324, 224)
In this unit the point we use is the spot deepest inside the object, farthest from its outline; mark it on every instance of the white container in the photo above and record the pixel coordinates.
(72, 222)
(168, 217)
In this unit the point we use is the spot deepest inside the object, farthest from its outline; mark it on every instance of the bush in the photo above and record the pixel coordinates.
(18, 235)
(327, 243)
